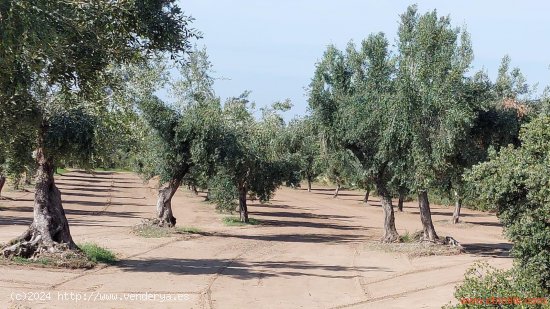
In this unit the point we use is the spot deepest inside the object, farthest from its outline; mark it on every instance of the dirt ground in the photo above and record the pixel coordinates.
(311, 251)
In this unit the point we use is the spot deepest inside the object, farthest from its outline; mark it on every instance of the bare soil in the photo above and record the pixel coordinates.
(309, 251)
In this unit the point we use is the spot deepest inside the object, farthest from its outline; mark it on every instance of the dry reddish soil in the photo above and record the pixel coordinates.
(311, 251)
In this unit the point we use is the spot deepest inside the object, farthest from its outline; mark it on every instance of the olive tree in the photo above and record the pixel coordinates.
(432, 60)
(515, 183)
(304, 142)
(496, 125)
(249, 158)
(350, 94)
(170, 147)
(53, 51)
(181, 132)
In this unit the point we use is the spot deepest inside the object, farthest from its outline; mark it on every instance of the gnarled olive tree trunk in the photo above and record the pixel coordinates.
(390, 232)
(49, 231)
(426, 216)
(458, 206)
(243, 208)
(165, 216)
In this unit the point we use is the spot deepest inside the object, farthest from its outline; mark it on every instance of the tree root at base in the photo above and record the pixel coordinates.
(46, 253)
(156, 222)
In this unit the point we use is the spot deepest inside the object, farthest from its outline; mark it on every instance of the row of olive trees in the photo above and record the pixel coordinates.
(414, 118)
(198, 140)
(57, 82)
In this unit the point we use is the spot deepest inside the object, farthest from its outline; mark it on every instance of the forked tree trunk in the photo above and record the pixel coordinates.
(458, 206)
(243, 208)
(367, 194)
(426, 216)
(49, 231)
(401, 200)
(165, 216)
(337, 189)
(390, 232)
(2, 183)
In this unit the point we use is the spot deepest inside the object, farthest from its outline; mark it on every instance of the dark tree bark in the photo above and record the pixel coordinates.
(2, 183)
(243, 208)
(366, 199)
(390, 232)
(401, 200)
(49, 231)
(458, 206)
(426, 216)
(165, 215)
(337, 189)
(309, 180)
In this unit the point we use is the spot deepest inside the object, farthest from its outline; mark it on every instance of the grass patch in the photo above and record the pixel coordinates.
(415, 249)
(44, 261)
(20, 260)
(97, 254)
(406, 238)
(149, 229)
(236, 221)
(188, 230)
(61, 171)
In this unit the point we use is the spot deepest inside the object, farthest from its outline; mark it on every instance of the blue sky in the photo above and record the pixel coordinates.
(271, 47)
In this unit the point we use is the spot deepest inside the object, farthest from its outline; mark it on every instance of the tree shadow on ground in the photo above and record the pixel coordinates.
(342, 194)
(488, 250)
(71, 181)
(102, 203)
(495, 224)
(300, 238)
(449, 214)
(308, 224)
(280, 206)
(26, 221)
(304, 215)
(82, 174)
(69, 193)
(83, 187)
(80, 212)
(242, 269)
(11, 220)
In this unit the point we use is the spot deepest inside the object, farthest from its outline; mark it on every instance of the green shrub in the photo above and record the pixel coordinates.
(516, 182)
(486, 287)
